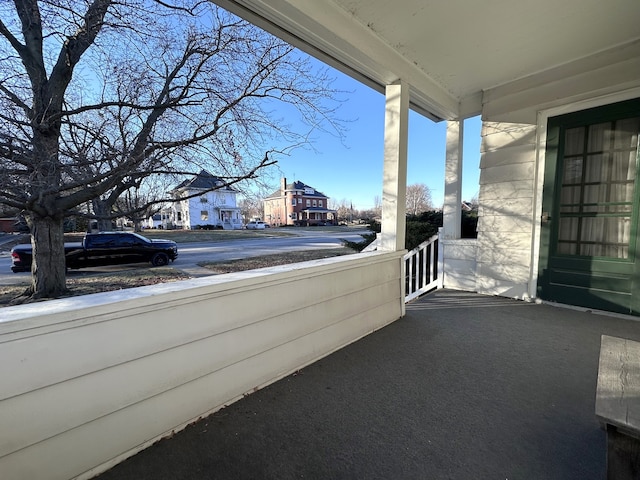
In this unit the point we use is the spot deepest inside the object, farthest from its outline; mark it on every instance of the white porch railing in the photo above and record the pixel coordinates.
(421, 269)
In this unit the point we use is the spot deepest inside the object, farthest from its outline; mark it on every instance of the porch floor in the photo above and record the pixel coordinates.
(464, 386)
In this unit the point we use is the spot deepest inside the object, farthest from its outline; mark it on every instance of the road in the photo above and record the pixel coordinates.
(189, 254)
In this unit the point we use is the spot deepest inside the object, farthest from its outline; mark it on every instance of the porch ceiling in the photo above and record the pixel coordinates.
(450, 52)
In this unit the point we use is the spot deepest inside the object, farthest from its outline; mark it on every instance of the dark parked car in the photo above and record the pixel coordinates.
(105, 248)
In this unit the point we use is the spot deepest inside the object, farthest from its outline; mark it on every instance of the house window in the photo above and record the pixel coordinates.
(319, 203)
(315, 204)
(179, 216)
(308, 202)
(204, 200)
(293, 202)
(204, 215)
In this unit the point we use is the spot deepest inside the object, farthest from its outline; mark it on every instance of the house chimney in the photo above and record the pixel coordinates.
(283, 185)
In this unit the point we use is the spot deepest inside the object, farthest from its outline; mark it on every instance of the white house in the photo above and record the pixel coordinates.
(558, 87)
(198, 206)
(155, 221)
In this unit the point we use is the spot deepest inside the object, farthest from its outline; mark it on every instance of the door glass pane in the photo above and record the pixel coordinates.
(597, 168)
(594, 196)
(574, 141)
(624, 166)
(591, 236)
(567, 248)
(570, 199)
(621, 198)
(572, 171)
(605, 237)
(567, 235)
(626, 134)
(599, 137)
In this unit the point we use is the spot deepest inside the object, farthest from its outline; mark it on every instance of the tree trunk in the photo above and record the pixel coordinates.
(48, 267)
(102, 211)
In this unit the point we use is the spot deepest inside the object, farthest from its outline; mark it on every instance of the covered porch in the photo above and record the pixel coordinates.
(312, 216)
(453, 386)
(464, 386)
(230, 217)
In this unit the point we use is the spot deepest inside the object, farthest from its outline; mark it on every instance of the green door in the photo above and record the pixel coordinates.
(589, 251)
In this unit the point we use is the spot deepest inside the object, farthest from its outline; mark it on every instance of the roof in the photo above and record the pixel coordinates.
(452, 53)
(298, 186)
(203, 181)
(317, 210)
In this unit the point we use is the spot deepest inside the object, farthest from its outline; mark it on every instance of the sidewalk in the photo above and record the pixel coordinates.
(463, 387)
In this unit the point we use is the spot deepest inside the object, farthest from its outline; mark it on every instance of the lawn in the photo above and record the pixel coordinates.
(273, 260)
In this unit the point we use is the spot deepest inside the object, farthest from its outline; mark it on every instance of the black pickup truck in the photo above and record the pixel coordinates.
(104, 248)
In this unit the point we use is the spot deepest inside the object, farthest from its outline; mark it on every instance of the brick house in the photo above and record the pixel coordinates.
(298, 204)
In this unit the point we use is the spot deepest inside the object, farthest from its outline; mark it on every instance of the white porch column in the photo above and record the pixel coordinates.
(452, 209)
(394, 187)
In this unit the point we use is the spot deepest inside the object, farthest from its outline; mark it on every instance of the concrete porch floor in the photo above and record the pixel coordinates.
(463, 387)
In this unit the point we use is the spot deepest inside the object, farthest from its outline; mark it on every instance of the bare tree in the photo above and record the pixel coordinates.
(377, 206)
(142, 201)
(95, 95)
(251, 206)
(418, 198)
(343, 208)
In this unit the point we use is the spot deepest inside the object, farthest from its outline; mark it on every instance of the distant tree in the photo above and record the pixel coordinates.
(95, 95)
(141, 201)
(343, 208)
(251, 206)
(422, 227)
(377, 206)
(252, 195)
(418, 199)
(474, 202)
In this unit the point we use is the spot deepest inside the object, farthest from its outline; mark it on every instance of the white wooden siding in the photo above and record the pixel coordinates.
(507, 182)
(459, 256)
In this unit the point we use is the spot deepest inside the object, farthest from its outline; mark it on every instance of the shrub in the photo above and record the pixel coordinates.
(470, 224)
(418, 232)
(419, 228)
(375, 228)
(359, 246)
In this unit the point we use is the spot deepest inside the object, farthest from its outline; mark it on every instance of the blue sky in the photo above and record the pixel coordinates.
(353, 171)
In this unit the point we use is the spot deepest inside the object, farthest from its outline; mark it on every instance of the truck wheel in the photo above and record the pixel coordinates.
(159, 260)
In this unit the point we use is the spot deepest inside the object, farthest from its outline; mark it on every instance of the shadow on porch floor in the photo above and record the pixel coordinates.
(463, 387)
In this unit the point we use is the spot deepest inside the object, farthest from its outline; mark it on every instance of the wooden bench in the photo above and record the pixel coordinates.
(618, 405)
